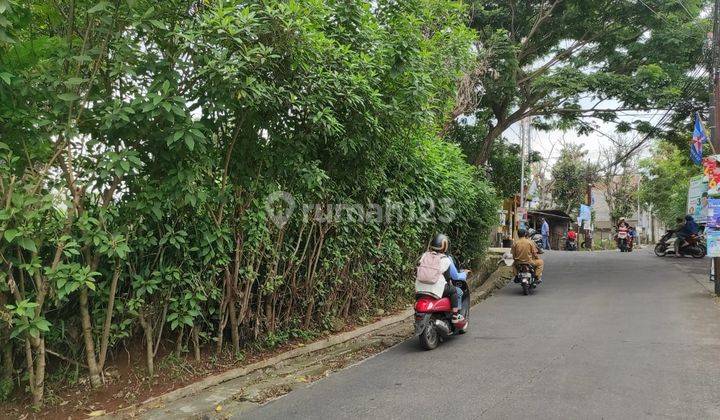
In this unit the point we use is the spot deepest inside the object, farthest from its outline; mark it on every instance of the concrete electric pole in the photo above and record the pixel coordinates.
(716, 113)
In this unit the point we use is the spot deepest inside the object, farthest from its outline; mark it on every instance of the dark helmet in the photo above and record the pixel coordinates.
(522, 233)
(440, 243)
(688, 218)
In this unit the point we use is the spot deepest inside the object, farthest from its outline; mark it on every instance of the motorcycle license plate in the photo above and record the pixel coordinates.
(525, 275)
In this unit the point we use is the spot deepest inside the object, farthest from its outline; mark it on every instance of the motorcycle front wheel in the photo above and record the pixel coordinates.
(660, 250)
(429, 338)
(698, 252)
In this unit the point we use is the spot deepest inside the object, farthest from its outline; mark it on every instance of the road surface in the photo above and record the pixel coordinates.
(609, 335)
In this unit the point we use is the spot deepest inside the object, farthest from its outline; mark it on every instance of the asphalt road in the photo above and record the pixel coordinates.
(609, 335)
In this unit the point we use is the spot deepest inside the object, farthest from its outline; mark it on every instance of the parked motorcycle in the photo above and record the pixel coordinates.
(433, 318)
(526, 278)
(694, 246)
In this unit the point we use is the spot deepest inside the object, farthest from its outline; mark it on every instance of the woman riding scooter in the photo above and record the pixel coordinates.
(443, 287)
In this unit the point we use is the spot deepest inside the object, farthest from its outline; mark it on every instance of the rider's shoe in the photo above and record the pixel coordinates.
(457, 318)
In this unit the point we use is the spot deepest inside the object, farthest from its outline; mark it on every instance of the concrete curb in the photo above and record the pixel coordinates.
(494, 281)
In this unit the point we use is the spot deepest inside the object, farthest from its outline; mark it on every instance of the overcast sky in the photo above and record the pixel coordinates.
(549, 143)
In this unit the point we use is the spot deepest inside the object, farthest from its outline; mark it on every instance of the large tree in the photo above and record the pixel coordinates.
(571, 176)
(620, 179)
(563, 60)
(666, 176)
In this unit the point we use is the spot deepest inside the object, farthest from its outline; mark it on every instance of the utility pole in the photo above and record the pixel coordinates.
(639, 216)
(716, 111)
(587, 230)
(522, 163)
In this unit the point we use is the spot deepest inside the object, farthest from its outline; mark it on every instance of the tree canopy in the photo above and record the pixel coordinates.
(565, 61)
(571, 176)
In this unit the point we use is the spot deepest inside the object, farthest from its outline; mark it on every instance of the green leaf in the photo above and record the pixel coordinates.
(28, 244)
(5, 76)
(74, 81)
(190, 142)
(11, 234)
(98, 7)
(158, 24)
(69, 96)
(42, 324)
(4, 37)
(34, 332)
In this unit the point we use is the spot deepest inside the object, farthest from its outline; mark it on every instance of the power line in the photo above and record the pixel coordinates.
(633, 149)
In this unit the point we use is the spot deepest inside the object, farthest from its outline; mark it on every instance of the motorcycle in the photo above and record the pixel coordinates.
(622, 241)
(694, 246)
(571, 244)
(433, 317)
(526, 278)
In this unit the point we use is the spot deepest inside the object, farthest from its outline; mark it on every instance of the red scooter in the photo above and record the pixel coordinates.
(433, 317)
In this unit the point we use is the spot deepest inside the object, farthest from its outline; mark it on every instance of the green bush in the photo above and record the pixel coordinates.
(137, 166)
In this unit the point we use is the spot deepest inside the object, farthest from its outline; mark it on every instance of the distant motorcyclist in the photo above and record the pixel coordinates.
(634, 237)
(622, 229)
(689, 227)
(571, 237)
(524, 251)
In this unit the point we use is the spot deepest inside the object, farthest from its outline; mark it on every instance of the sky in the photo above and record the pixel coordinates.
(549, 143)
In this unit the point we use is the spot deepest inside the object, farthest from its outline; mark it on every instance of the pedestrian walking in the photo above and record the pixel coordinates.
(545, 232)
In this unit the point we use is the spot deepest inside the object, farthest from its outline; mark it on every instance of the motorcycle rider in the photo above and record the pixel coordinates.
(622, 227)
(571, 236)
(634, 237)
(524, 251)
(683, 231)
(444, 287)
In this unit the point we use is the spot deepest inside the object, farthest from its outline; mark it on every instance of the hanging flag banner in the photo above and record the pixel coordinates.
(697, 199)
(698, 140)
(585, 212)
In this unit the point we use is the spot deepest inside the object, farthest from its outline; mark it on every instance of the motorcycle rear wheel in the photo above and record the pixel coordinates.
(660, 250)
(429, 338)
(525, 288)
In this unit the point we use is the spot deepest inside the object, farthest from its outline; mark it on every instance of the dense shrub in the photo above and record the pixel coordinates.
(140, 142)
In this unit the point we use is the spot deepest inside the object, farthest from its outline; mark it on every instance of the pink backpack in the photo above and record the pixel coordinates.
(429, 269)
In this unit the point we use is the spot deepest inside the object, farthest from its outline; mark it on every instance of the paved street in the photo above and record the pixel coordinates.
(609, 335)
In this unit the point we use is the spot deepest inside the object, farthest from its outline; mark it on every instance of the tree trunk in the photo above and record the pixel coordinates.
(7, 349)
(95, 378)
(178, 342)
(196, 342)
(39, 372)
(108, 318)
(488, 141)
(149, 353)
(7, 361)
(36, 369)
(234, 325)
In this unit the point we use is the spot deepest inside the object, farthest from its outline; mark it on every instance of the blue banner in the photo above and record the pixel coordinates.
(699, 138)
